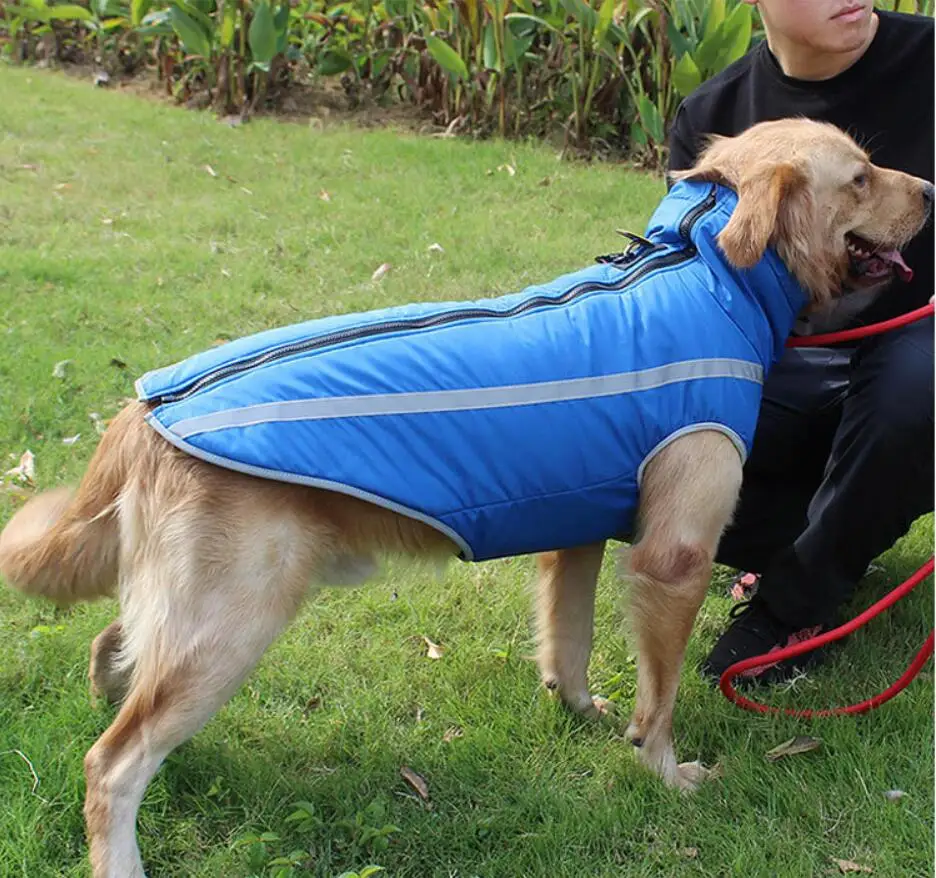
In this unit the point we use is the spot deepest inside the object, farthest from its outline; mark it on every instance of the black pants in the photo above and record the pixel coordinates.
(841, 466)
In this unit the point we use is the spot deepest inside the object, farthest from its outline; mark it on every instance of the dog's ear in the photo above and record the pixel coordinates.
(763, 195)
(714, 163)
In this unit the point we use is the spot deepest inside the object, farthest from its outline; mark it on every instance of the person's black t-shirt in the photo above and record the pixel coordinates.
(885, 100)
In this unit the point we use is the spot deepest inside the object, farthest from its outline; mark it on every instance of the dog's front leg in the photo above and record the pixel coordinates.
(688, 494)
(565, 613)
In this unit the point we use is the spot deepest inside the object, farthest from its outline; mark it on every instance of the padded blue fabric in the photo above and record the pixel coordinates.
(515, 424)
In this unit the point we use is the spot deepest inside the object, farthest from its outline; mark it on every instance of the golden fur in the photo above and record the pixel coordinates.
(210, 565)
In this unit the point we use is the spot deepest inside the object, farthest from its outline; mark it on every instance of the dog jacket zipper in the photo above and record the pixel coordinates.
(643, 266)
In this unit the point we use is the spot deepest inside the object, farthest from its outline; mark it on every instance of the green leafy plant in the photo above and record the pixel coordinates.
(366, 872)
(367, 830)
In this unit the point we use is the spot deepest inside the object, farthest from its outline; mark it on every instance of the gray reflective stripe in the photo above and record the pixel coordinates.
(474, 398)
(310, 482)
(736, 440)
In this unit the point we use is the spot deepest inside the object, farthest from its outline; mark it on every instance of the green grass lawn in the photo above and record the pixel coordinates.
(133, 234)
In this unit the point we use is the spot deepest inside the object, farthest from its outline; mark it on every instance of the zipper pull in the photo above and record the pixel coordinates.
(635, 249)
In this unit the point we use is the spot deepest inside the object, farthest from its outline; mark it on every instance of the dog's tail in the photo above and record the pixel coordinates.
(64, 545)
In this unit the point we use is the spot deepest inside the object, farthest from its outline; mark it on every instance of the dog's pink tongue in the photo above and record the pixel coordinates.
(904, 271)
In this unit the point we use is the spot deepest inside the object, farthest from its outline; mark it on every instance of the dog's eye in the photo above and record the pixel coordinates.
(860, 180)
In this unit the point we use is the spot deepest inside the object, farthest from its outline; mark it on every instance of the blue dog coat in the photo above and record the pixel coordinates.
(512, 425)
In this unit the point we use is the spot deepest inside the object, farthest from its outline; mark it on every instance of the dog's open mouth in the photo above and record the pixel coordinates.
(872, 264)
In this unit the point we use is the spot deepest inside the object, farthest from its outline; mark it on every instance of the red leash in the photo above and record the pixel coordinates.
(772, 658)
(809, 341)
(829, 637)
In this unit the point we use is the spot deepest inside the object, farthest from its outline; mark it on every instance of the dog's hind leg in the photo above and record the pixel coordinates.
(565, 612)
(688, 494)
(200, 603)
(110, 677)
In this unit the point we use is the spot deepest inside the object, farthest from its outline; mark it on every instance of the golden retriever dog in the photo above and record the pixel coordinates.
(210, 564)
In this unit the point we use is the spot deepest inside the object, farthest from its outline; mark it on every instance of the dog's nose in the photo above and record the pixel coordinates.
(928, 196)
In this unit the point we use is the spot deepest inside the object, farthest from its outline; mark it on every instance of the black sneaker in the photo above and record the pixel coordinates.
(756, 631)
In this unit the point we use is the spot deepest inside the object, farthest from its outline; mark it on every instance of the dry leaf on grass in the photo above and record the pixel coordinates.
(894, 795)
(799, 744)
(25, 470)
(211, 170)
(700, 772)
(380, 271)
(510, 169)
(451, 733)
(416, 781)
(436, 247)
(433, 650)
(846, 866)
(689, 853)
(60, 369)
(324, 196)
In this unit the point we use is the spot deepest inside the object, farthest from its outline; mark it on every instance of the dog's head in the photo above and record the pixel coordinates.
(806, 188)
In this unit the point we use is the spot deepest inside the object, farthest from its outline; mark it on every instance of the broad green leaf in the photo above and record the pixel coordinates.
(262, 34)
(228, 23)
(395, 8)
(714, 18)
(206, 22)
(193, 38)
(520, 28)
(70, 12)
(490, 49)
(738, 28)
(650, 119)
(110, 9)
(646, 14)
(138, 9)
(379, 62)
(281, 24)
(708, 51)
(686, 75)
(515, 48)
(676, 39)
(534, 18)
(638, 135)
(605, 16)
(581, 12)
(27, 13)
(334, 61)
(446, 57)
(156, 24)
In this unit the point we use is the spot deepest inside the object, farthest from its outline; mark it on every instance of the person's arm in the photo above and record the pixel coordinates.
(683, 149)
